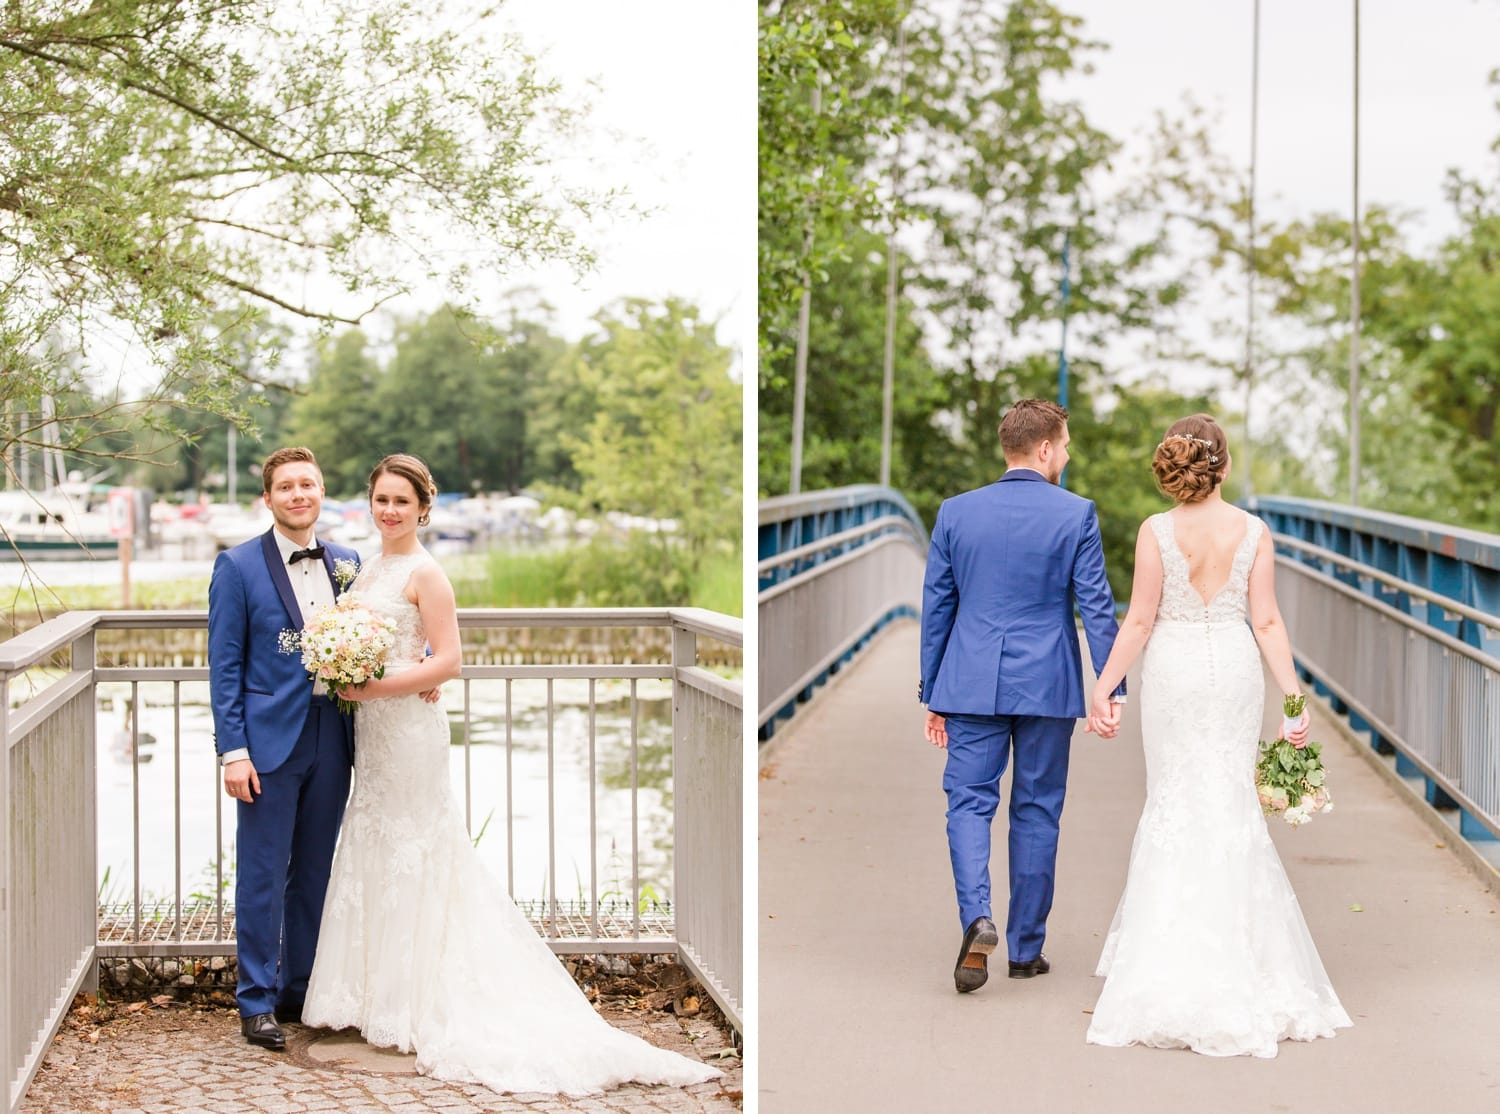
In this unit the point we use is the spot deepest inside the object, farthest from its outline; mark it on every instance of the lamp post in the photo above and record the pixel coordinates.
(1354, 294)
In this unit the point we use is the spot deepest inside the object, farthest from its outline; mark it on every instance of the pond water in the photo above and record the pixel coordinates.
(526, 844)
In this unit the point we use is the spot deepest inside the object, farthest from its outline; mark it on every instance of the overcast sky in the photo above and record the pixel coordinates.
(676, 80)
(1425, 104)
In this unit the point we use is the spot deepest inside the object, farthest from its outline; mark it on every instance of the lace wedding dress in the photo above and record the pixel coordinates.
(1208, 949)
(420, 948)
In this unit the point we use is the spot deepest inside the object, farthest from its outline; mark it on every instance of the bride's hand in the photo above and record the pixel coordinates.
(357, 693)
(1298, 735)
(1104, 716)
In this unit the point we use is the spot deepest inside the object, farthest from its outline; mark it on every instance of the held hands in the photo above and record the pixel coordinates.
(1104, 715)
(936, 733)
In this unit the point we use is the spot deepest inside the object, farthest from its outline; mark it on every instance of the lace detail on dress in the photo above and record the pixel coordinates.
(1180, 601)
(1208, 949)
(417, 935)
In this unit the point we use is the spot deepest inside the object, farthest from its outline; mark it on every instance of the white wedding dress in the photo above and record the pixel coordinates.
(420, 947)
(1208, 949)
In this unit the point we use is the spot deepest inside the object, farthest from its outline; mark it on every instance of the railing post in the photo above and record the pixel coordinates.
(8, 1066)
(684, 656)
(83, 659)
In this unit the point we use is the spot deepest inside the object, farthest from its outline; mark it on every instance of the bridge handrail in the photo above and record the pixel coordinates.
(1435, 713)
(1364, 571)
(1475, 547)
(835, 566)
(779, 508)
(884, 524)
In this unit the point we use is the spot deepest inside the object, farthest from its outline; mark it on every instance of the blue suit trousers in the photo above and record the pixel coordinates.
(285, 842)
(979, 749)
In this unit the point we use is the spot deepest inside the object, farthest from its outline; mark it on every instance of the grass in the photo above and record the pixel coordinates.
(600, 574)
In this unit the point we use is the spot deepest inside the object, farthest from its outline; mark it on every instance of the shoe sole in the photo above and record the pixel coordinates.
(973, 970)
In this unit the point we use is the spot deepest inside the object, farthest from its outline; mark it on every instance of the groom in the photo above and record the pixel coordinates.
(285, 749)
(1002, 674)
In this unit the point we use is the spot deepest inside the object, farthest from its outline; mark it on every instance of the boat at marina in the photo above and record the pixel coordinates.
(69, 521)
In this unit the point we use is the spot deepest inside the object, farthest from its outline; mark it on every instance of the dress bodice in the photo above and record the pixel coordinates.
(381, 586)
(1180, 601)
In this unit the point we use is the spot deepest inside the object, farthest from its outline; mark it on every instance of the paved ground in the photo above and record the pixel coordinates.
(859, 929)
(179, 1058)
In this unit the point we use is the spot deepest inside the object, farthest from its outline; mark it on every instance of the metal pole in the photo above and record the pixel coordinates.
(888, 382)
(231, 467)
(1354, 294)
(1247, 481)
(1062, 347)
(799, 382)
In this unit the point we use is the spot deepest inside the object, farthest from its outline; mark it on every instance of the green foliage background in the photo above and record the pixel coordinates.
(965, 140)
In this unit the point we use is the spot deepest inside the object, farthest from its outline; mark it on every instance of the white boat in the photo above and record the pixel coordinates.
(60, 523)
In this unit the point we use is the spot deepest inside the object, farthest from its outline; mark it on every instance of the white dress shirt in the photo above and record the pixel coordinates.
(312, 588)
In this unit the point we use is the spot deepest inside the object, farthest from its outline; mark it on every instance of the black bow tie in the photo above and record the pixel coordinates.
(316, 551)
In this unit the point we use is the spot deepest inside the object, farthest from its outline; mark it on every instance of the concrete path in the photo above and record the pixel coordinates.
(859, 930)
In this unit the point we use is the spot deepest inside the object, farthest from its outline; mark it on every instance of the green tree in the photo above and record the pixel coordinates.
(822, 114)
(342, 416)
(162, 161)
(665, 442)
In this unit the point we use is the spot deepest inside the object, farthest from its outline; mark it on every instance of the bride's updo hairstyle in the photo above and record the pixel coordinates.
(413, 471)
(1191, 459)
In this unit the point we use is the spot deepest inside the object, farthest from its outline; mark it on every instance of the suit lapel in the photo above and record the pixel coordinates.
(277, 568)
(333, 581)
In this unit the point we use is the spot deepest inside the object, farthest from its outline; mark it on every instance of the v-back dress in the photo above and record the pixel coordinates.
(1208, 949)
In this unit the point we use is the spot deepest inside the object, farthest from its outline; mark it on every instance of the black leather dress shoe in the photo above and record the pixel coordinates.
(289, 1015)
(263, 1030)
(1030, 969)
(972, 970)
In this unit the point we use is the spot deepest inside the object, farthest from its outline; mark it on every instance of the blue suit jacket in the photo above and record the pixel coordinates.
(1006, 564)
(260, 695)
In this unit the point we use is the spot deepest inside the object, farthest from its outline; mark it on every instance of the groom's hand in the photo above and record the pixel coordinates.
(240, 780)
(1104, 717)
(936, 733)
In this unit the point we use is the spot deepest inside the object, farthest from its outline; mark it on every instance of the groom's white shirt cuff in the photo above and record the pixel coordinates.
(229, 756)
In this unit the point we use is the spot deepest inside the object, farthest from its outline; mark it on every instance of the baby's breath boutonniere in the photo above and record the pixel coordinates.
(345, 569)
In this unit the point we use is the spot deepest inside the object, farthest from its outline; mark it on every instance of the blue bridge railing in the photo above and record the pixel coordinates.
(835, 566)
(1418, 664)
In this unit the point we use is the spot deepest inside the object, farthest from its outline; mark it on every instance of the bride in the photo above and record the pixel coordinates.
(420, 948)
(1208, 949)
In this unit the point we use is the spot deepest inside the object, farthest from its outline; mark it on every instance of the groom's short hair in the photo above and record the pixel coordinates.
(1030, 422)
(294, 454)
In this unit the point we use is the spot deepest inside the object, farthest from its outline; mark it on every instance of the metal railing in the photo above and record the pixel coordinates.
(1425, 693)
(835, 566)
(53, 929)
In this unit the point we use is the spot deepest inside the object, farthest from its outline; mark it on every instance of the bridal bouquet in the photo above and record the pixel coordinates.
(342, 644)
(1289, 780)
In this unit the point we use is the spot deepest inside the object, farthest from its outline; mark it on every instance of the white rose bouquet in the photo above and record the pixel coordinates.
(1289, 780)
(343, 644)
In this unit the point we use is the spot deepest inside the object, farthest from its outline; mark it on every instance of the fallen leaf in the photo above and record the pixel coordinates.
(93, 1038)
(163, 1000)
(135, 1007)
(1356, 908)
(1440, 845)
(730, 1053)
